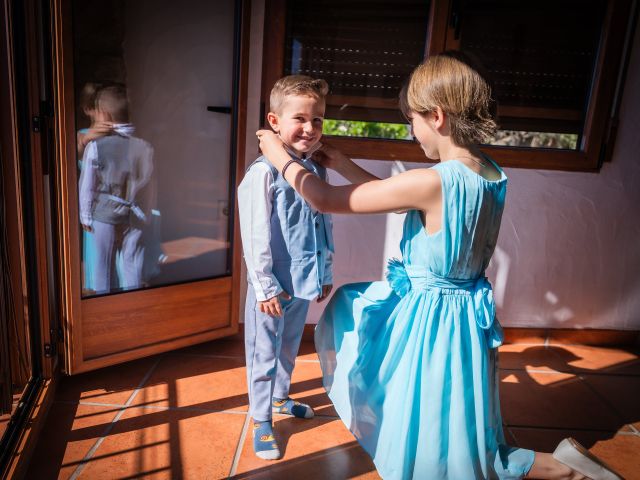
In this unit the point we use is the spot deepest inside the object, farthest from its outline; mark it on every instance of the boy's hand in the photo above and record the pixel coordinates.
(326, 290)
(330, 157)
(272, 306)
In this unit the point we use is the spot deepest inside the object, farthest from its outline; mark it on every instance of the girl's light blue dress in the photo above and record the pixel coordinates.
(410, 364)
(89, 250)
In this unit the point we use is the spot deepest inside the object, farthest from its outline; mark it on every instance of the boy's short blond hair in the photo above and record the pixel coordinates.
(296, 85)
(113, 100)
(457, 84)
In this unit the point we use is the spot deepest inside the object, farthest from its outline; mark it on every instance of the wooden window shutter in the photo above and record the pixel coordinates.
(556, 66)
(364, 50)
(541, 56)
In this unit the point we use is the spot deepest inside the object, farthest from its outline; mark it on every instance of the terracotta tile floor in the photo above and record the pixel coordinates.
(183, 415)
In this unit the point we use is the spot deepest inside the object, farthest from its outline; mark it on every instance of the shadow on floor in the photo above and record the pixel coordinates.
(183, 415)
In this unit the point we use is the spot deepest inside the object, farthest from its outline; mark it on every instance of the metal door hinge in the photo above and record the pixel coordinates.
(36, 123)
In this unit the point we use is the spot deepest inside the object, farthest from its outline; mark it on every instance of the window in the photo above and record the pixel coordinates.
(554, 66)
(364, 50)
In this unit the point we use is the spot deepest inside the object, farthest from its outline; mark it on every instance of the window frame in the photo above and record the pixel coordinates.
(596, 142)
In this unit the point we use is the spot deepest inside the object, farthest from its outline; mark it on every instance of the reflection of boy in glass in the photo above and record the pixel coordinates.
(115, 192)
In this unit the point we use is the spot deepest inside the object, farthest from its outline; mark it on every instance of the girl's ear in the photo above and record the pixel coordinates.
(438, 117)
(274, 121)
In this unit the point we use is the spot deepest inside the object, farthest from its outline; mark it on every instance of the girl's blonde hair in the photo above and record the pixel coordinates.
(296, 85)
(455, 83)
(88, 95)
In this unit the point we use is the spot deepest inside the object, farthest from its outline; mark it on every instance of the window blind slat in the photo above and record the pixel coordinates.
(362, 49)
(540, 54)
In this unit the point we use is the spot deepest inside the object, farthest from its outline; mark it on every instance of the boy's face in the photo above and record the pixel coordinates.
(299, 123)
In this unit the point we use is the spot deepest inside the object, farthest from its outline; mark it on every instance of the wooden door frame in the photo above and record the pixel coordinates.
(23, 170)
(196, 293)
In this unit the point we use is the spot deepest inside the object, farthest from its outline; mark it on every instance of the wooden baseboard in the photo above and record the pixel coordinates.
(562, 336)
(568, 336)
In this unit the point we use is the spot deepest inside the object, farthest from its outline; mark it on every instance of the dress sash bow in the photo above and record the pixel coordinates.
(404, 278)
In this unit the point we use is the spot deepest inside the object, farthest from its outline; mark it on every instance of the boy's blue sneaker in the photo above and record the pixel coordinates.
(288, 406)
(264, 443)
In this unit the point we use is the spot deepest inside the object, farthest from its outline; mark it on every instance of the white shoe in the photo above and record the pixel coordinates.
(575, 456)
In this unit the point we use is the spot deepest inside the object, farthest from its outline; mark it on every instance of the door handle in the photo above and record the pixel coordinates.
(219, 109)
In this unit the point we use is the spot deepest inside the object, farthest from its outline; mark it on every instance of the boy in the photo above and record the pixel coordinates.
(288, 250)
(115, 190)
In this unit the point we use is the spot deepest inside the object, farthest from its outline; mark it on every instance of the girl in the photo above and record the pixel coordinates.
(411, 365)
(96, 130)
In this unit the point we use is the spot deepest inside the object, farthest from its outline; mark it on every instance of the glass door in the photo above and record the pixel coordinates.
(149, 127)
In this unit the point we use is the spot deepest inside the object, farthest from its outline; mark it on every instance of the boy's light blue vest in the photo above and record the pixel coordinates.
(301, 238)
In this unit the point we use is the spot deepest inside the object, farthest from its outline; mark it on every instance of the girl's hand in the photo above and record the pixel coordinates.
(330, 157)
(97, 130)
(101, 128)
(269, 143)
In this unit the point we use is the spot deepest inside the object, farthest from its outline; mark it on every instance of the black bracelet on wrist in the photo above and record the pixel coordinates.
(286, 165)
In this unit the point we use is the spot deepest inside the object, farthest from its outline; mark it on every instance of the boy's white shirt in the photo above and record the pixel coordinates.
(255, 203)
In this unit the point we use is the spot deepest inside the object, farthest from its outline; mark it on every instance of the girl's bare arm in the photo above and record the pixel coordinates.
(415, 189)
(333, 158)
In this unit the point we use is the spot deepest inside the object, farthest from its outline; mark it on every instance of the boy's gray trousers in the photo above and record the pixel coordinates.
(271, 346)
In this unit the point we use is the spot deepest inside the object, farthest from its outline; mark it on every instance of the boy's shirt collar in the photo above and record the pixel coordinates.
(124, 129)
(306, 156)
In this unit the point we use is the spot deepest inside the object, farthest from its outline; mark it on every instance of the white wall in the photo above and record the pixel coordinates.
(568, 254)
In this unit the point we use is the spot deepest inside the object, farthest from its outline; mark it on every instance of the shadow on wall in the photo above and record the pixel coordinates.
(571, 259)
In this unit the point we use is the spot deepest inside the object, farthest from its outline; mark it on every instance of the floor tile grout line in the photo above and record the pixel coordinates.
(87, 457)
(549, 343)
(533, 370)
(206, 355)
(233, 357)
(176, 409)
(604, 399)
(239, 447)
(90, 404)
(513, 435)
(200, 410)
(576, 373)
(550, 427)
